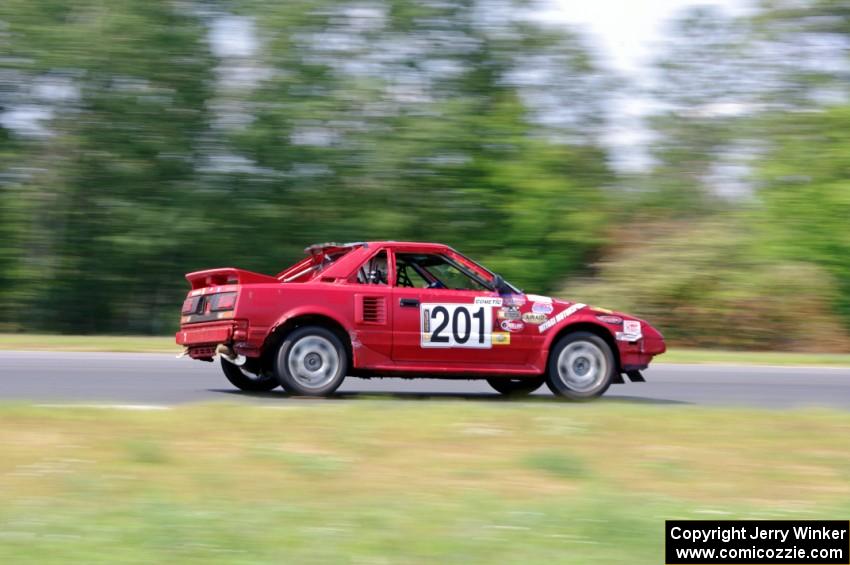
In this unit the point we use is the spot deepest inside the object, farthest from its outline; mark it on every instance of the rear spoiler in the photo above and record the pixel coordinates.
(226, 275)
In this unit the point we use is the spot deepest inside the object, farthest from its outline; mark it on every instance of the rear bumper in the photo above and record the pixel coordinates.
(201, 340)
(205, 334)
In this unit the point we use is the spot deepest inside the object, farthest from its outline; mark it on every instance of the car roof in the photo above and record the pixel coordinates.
(357, 251)
(412, 245)
(320, 247)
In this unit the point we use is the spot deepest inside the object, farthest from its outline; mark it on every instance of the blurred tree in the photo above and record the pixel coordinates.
(143, 139)
(708, 86)
(804, 179)
(125, 83)
(143, 156)
(806, 43)
(709, 285)
(429, 121)
(751, 106)
(806, 194)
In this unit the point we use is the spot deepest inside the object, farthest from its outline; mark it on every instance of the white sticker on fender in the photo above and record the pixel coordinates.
(488, 300)
(538, 298)
(562, 315)
(631, 331)
(456, 325)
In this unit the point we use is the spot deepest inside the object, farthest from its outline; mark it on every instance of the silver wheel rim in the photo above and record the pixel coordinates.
(313, 362)
(582, 366)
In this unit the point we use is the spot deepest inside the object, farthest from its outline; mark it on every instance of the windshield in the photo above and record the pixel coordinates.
(506, 287)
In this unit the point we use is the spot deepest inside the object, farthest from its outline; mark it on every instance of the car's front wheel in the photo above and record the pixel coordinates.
(516, 386)
(311, 361)
(581, 366)
(243, 379)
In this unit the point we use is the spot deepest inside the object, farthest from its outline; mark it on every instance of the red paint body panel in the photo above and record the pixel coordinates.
(395, 329)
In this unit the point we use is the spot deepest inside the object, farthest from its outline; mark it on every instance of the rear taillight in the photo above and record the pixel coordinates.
(190, 305)
(223, 301)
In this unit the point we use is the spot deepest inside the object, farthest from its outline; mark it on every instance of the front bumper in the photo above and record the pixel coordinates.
(636, 356)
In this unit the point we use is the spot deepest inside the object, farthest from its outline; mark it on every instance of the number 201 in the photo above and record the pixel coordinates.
(453, 325)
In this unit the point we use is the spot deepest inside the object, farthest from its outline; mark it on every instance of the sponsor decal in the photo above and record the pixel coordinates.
(516, 300)
(534, 318)
(538, 298)
(509, 313)
(562, 315)
(602, 310)
(488, 301)
(501, 338)
(455, 326)
(631, 331)
(542, 307)
(512, 326)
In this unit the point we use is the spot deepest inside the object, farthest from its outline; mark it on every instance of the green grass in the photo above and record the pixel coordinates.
(708, 356)
(387, 482)
(157, 344)
(50, 342)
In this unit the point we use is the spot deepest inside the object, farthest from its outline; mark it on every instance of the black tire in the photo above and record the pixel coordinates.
(587, 369)
(311, 361)
(248, 382)
(516, 386)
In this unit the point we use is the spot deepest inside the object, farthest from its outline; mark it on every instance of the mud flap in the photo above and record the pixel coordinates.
(635, 376)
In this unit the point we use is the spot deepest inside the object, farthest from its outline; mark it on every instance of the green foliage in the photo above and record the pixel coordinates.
(107, 188)
(806, 195)
(347, 137)
(713, 288)
(157, 153)
(458, 158)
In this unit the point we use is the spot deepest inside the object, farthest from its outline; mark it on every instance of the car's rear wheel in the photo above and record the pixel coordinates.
(516, 386)
(243, 379)
(311, 361)
(581, 366)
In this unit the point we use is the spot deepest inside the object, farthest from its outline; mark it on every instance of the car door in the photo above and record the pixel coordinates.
(440, 319)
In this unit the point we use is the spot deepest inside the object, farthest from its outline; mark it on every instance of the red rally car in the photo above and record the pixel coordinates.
(404, 309)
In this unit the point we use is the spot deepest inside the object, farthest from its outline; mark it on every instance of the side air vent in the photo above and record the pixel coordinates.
(371, 309)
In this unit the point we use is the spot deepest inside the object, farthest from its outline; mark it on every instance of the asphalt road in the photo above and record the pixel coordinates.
(154, 380)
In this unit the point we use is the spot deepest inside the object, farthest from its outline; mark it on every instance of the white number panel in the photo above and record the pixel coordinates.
(456, 325)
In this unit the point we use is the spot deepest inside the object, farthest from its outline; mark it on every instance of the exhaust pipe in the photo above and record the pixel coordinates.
(230, 355)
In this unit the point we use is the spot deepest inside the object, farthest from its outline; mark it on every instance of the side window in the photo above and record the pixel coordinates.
(420, 270)
(409, 274)
(374, 270)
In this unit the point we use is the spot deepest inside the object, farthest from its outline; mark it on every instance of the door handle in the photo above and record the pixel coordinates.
(409, 302)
